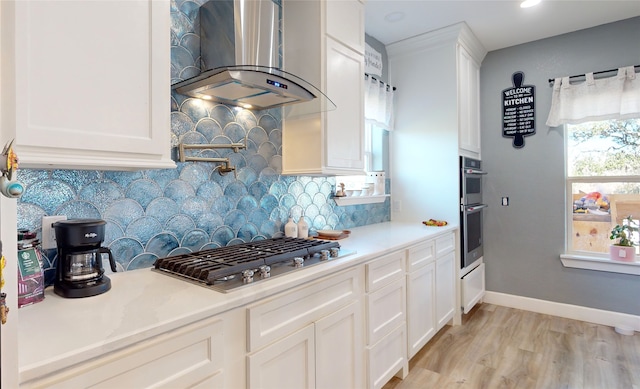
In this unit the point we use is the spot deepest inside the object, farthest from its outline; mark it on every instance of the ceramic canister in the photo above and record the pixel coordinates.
(377, 178)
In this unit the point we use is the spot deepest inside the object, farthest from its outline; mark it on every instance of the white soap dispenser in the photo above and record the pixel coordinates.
(291, 228)
(303, 227)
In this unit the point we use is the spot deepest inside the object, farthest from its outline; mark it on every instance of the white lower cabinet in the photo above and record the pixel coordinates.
(386, 319)
(288, 363)
(339, 349)
(431, 293)
(445, 289)
(310, 337)
(356, 328)
(421, 324)
(191, 357)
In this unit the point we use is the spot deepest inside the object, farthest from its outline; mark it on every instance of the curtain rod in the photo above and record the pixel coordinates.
(552, 80)
(379, 80)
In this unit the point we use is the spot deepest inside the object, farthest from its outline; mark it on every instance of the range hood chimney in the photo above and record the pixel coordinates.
(239, 41)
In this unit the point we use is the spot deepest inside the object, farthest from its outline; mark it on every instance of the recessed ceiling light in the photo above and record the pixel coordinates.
(529, 3)
(394, 17)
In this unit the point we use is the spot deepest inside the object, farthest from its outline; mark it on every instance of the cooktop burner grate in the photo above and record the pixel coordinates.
(209, 266)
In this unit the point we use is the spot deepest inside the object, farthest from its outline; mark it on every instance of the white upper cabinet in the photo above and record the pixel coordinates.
(345, 23)
(91, 83)
(468, 102)
(324, 44)
(436, 120)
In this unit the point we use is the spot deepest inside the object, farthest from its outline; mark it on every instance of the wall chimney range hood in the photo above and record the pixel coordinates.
(239, 41)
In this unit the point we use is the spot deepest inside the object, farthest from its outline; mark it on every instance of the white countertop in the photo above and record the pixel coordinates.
(59, 332)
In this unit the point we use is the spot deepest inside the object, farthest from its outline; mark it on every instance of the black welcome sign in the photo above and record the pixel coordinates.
(518, 110)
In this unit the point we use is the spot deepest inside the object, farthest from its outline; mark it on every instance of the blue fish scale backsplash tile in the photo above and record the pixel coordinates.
(156, 213)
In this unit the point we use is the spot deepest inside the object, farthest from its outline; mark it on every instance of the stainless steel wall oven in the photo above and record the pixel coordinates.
(471, 210)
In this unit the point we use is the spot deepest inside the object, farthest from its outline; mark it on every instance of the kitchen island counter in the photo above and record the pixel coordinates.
(57, 332)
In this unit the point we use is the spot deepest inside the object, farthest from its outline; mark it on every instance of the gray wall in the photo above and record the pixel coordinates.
(380, 48)
(524, 240)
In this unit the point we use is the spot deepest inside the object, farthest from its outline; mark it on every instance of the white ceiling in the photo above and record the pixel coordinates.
(497, 24)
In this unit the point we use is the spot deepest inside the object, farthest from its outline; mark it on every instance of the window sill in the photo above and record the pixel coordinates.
(599, 264)
(354, 200)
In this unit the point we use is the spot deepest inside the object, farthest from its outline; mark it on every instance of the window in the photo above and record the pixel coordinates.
(378, 109)
(603, 181)
(375, 143)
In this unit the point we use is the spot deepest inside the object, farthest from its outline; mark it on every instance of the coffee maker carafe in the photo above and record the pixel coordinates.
(79, 270)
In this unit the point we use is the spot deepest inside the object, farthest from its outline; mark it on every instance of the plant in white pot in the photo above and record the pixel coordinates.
(623, 249)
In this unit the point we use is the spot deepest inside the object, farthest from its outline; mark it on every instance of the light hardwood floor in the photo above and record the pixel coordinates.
(500, 347)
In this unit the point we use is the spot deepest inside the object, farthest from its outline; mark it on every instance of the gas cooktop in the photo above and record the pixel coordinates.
(230, 267)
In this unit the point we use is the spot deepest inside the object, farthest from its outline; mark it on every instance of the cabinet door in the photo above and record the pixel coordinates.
(92, 84)
(468, 102)
(345, 125)
(445, 289)
(421, 323)
(345, 23)
(288, 363)
(340, 349)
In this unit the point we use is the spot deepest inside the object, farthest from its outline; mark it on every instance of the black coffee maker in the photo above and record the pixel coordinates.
(79, 272)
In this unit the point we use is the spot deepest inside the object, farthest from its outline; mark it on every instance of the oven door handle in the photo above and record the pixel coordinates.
(474, 171)
(475, 208)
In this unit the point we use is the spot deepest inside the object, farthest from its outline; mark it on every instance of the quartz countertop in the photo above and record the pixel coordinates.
(58, 332)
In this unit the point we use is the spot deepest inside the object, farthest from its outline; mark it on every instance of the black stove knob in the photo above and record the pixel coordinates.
(298, 262)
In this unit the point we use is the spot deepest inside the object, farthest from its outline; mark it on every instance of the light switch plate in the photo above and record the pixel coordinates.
(48, 233)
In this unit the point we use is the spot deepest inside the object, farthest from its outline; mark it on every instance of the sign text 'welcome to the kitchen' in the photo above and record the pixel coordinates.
(518, 110)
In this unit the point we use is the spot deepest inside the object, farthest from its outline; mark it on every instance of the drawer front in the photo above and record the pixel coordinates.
(386, 269)
(286, 313)
(387, 357)
(386, 309)
(444, 244)
(472, 288)
(420, 255)
(182, 358)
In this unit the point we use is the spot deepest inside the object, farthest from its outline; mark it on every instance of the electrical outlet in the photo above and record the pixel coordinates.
(505, 201)
(48, 233)
(397, 205)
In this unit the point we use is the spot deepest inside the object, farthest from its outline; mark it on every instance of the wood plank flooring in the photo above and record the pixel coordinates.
(500, 347)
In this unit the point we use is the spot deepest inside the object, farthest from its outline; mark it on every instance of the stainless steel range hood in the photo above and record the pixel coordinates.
(239, 41)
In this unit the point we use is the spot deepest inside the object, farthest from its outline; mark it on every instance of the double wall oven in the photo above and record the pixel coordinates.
(472, 210)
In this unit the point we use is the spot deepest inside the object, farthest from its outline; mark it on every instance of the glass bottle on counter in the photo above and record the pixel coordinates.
(303, 227)
(291, 228)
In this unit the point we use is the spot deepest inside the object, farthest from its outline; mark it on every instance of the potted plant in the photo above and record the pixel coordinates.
(623, 249)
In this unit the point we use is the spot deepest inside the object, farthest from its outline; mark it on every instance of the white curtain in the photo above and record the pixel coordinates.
(378, 103)
(615, 97)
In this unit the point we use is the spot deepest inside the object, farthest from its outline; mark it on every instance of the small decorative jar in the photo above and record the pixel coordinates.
(377, 178)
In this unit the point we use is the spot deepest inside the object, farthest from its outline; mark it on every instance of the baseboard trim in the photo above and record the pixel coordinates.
(575, 312)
